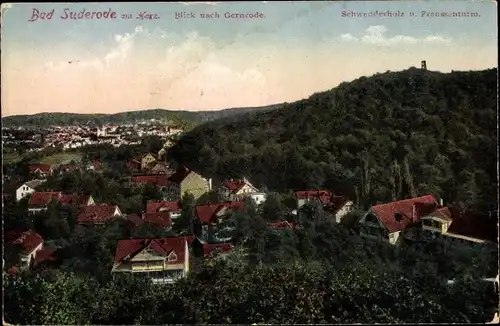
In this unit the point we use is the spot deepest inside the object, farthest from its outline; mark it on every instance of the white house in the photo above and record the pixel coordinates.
(237, 189)
(27, 188)
(259, 198)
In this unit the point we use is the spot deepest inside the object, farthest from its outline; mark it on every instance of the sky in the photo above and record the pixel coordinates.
(294, 50)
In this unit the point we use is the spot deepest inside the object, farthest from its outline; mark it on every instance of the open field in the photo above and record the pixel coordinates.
(61, 158)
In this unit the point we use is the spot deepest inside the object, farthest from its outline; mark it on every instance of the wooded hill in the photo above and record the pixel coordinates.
(375, 139)
(61, 119)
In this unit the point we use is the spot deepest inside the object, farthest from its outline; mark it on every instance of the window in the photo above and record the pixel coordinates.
(398, 217)
(172, 256)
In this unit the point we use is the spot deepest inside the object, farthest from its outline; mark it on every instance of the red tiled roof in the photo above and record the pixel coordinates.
(180, 175)
(161, 219)
(42, 199)
(134, 218)
(159, 245)
(335, 204)
(209, 248)
(234, 185)
(28, 239)
(77, 199)
(407, 209)
(324, 196)
(42, 167)
(160, 180)
(281, 225)
(473, 224)
(44, 255)
(171, 206)
(206, 212)
(96, 213)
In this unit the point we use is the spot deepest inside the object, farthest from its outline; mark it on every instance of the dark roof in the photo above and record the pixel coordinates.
(409, 211)
(44, 255)
(28, 239)
(180, 175)
(40, 199)
(474, 224)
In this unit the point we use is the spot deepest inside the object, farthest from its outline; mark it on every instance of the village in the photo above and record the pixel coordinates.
(208, 232)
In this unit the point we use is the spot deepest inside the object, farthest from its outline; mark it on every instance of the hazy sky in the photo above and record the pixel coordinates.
(298, 49)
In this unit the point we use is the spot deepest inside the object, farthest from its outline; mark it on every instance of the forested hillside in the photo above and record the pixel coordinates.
(50, 119)
(378, 138)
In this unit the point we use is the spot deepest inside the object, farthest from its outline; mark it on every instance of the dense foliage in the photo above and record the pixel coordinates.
(385, 137)
(182, 117)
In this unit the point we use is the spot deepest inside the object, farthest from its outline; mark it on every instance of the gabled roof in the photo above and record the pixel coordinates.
(133, 164)
(28, 239)
(40, 199)
(207, 212)
(474, 224)
(96, 213)
(409, 211)
(161, 219)
(160, 180)
(69, 167)
(209, 248)
(77, 199)
(42, 167)
(335, 204)
(171, 206)
(234, 185)
(32, 183)
(163, 246)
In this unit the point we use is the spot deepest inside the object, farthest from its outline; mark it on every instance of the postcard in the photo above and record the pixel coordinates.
(323, 162)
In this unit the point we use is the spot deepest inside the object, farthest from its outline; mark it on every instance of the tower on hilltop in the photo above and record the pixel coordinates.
(424, 65)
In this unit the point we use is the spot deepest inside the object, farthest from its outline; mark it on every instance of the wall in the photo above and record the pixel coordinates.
(194, 184)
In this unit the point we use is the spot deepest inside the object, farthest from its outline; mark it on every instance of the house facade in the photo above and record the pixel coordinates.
(387, 222)
(335, 206)
(236, 189)
(164, 260)
(174, 208)
(147, 160)
(187, 181)
(27, 188)
(39, 201)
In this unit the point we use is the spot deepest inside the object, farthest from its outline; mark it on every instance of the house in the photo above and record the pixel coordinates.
(39, 201)
(27, 188)
(29, 242)
(133, 165)
(460, 226)
(236, 189)
(387, 221)
(174, 208)
(335, 206)
(187, 181)
(147, 160)
(40, 171)
(161, 219)
(98, 214)
(160, 180)
(210, 215)
(164, 260)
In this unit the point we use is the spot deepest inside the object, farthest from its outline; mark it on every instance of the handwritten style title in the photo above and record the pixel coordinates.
(86, 14)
